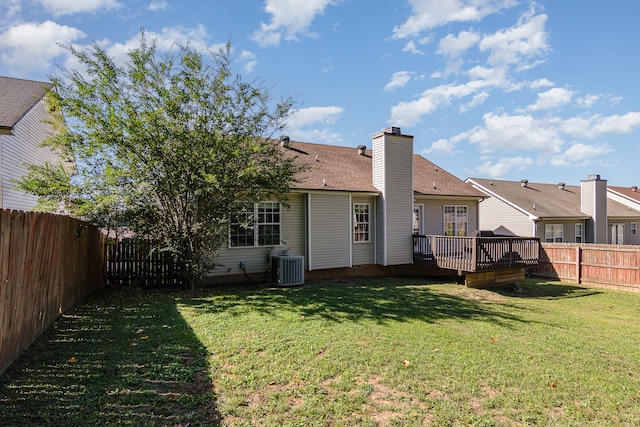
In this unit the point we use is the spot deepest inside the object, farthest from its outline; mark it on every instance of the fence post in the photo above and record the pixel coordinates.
(578, 264)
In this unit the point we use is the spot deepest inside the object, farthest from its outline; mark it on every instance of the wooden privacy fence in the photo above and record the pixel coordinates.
(48, 263)
(606, 266)
(141, 262)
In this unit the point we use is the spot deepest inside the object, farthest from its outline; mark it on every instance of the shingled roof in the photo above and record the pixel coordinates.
(549, 200)
(338, 168)
(17, 97)
(632, 193)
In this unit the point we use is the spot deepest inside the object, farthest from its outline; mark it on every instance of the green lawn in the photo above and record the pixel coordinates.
(360, 352)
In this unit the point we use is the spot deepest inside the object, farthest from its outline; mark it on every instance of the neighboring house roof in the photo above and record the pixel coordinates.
(17, 97)
(631, 193)
(338, 168)
(545, 201)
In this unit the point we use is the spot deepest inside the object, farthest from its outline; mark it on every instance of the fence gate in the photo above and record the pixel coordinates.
(139, 262)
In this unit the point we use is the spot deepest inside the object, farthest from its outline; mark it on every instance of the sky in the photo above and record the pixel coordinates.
(541, 90)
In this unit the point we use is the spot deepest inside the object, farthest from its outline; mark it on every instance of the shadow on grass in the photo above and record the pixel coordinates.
(381, 300)
(543, 289)
(125, 358)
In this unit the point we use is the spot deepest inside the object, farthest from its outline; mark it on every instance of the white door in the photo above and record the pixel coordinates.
(617, 234)
(417, 219)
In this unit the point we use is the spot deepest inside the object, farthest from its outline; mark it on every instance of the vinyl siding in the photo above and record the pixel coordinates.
(494, 213)
(363, 253)
(396, 185)
(292, 236)
(433, 216)
(24, 147)
(568, 230)
(329, 231)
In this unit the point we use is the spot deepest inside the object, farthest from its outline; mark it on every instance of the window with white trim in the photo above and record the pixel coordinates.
(255, 224)
(361, 222)
(553, 233)
(578, 232)
(456, 220)
(633, 228)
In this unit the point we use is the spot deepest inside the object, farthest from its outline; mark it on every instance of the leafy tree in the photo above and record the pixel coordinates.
(172, 143)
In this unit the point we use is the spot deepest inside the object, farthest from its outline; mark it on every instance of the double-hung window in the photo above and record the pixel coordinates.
(553, 233)
(633, 228)
(255, 224)
(360, 222)
(456, 220)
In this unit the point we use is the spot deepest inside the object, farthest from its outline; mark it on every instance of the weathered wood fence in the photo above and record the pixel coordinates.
(605, 266)
(48, 263)
(140, 262)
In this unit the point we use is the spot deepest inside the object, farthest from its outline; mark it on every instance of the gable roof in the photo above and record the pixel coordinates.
(546, 201)
(337, 168)
(17, 97)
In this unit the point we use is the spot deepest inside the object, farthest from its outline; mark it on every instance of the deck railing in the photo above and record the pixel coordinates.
(475, 254)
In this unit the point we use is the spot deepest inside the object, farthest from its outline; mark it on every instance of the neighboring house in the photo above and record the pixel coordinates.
(22, 129)
(352, 206)
(557, 212)
(630, 197)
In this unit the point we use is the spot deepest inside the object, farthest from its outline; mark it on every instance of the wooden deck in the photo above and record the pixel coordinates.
(476, 254)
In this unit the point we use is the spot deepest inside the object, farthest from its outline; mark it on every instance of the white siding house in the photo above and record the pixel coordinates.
(353, 207)
(557, 212)
(22, 129)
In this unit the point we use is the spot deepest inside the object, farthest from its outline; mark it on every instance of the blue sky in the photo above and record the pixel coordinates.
(506, 89)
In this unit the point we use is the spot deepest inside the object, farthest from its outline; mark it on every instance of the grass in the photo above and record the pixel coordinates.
(365, 352)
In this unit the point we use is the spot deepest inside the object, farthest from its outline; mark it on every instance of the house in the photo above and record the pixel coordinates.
(23, 127)
(353, 207)
(557, 212)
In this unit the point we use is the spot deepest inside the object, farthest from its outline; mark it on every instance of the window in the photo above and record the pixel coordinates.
(360, 223)
(578, 233)
(553, 233)
(633, 228)
(455, 220)
(255, 225)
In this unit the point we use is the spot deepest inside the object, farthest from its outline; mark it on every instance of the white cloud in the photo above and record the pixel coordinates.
(167, 39)
(398, 79)
(500, 168)
(540, 83)
(411, 47)
(552, 98)
(453, 46)
(248, 61)
(429, 14)
(441, 146)
(581, 155)
(68, 7)
(155, 6)
(518, 132)
(594, 126)
(519, 44)
(477, 100)
(33, 46)
(12, 8)
(588, 101)
(315, 124)
(313, 115)
(289, 18)
(407, 113)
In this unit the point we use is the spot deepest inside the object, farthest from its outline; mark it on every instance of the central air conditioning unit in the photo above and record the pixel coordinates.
(287, 270)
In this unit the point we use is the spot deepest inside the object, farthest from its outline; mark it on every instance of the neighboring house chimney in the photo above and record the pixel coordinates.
(393, 176)
(593, 202)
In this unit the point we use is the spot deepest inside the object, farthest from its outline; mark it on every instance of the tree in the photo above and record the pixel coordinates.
(172, 143)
